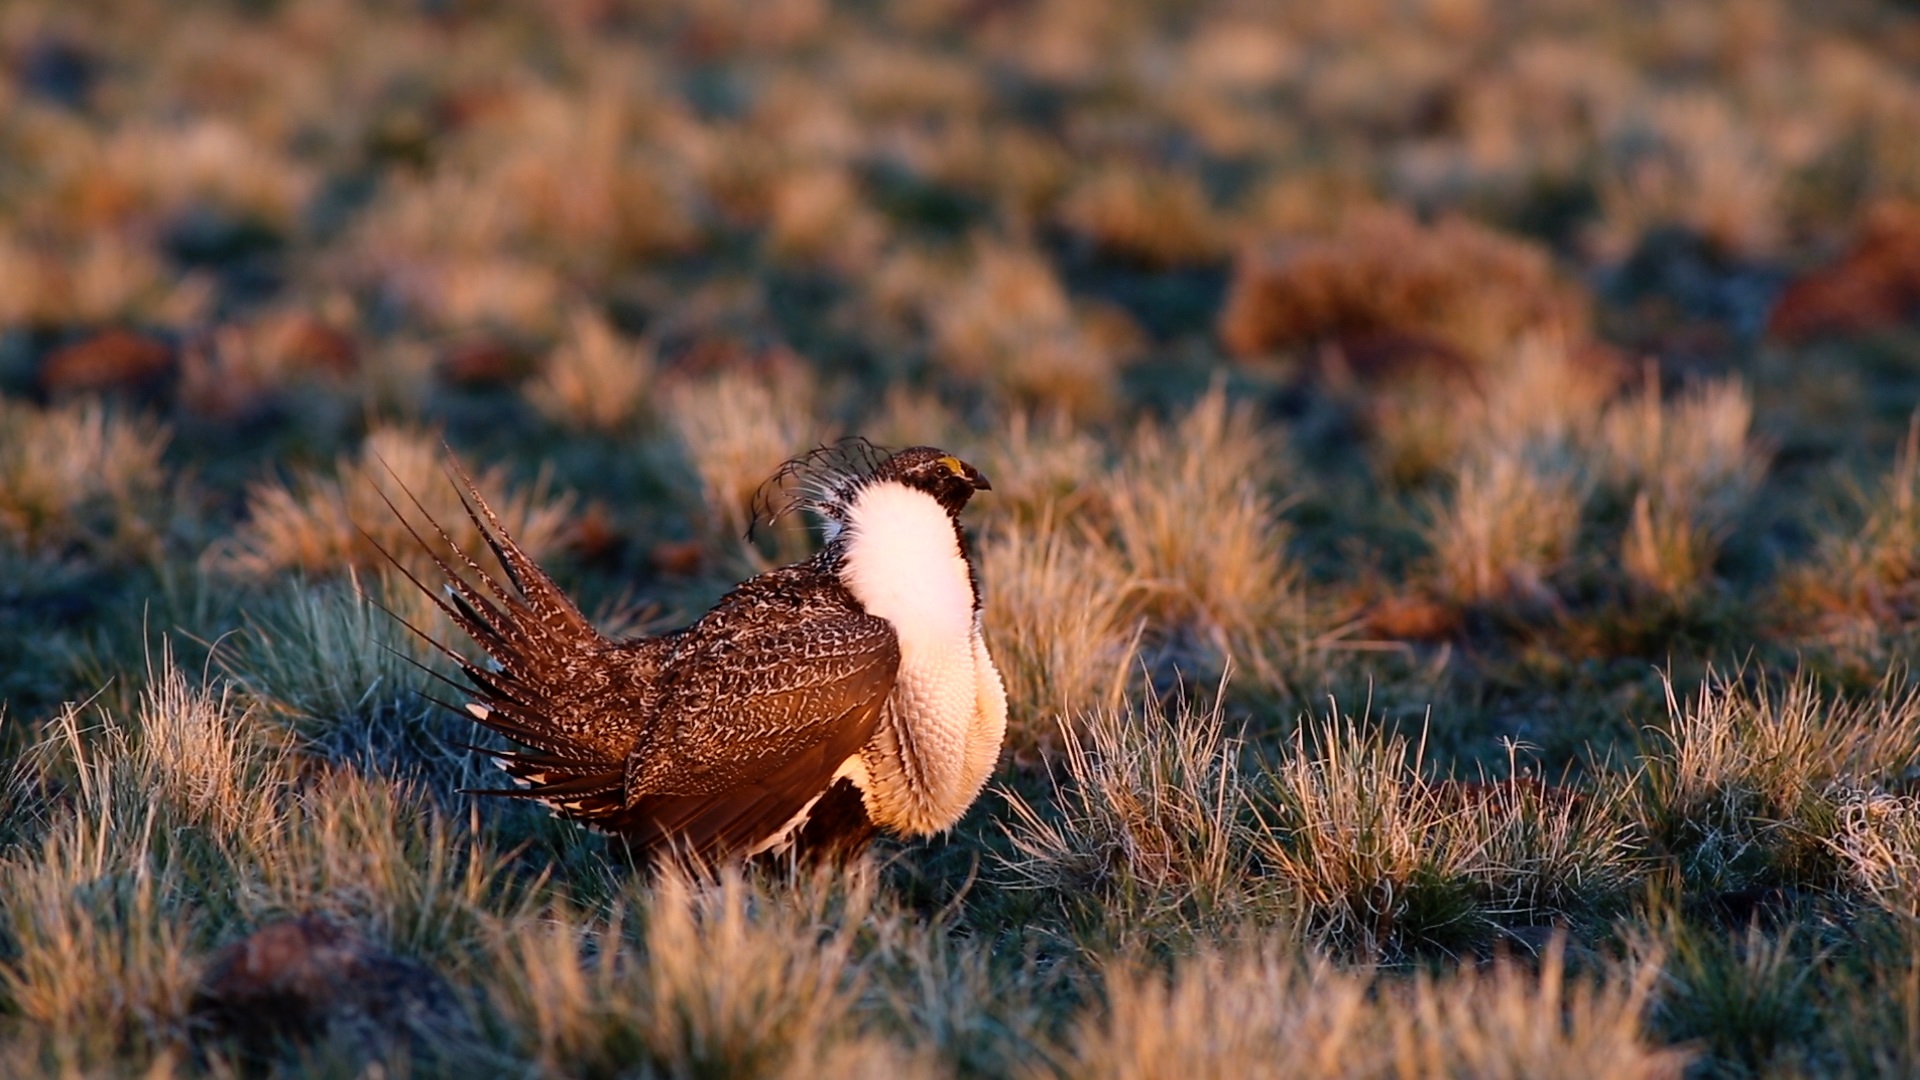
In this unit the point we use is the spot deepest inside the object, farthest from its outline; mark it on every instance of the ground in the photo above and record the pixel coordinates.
(1454, 546)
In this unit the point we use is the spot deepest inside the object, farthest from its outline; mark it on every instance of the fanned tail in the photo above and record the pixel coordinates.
(571, 698)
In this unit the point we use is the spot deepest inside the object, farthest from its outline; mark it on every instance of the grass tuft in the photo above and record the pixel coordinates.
(1151, 827)
(1511, 524)
(1261, 1012)
(701, 977)
(314, 523)
(1009, 325)
(594, 381)
(1202, 539)
(1062, 636)
(79, 476)
(1749, 787)
(737, 428)
(1689, 467)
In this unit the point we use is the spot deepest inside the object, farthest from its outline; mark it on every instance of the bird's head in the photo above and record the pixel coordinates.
(829, 479)
(949, 480)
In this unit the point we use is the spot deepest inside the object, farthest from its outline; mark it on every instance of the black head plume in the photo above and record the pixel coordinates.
(821, 480)
(825, 480)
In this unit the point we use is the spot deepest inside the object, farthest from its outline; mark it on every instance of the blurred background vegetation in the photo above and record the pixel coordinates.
(1521, 393)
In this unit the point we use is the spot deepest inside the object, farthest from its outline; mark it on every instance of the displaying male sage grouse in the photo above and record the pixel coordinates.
(814, 703)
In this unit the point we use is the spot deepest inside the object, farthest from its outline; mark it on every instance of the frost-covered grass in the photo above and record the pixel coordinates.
(1454, 546)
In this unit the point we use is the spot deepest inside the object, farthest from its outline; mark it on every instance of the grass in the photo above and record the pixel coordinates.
(78, 476)
(1451, 550)
(318, 522)
(1263, 1012)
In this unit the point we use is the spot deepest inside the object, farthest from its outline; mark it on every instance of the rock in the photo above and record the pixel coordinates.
(1875, 285)
(481, 362)
(310, 979)
(1413, 618)
(595, 536)
(110, 360)
(305, 343)
(682, 558)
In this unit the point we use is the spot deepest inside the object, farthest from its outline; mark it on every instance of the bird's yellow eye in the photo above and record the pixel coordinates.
(953, 465)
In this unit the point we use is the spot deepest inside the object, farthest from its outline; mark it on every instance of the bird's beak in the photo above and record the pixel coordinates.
(980, 481)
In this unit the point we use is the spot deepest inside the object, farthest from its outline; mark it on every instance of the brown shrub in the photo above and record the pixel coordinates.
(1459, 284)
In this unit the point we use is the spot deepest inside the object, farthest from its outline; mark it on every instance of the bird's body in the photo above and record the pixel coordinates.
(813, 704)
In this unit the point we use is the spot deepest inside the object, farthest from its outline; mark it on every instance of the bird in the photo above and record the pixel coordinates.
(815, 705)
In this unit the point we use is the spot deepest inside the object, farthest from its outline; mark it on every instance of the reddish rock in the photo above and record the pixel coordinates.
(311, 979)
(110, 360)
(594, 535)
(306, 343)
(1413, 618)
(1873, 286)
(484, 362)
(683, 558)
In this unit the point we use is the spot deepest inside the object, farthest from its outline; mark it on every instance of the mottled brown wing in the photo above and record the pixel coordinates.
(763, 701)
(733, 707)
(739, 820)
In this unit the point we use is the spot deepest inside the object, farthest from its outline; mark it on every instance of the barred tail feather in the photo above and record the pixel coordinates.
(572, 698)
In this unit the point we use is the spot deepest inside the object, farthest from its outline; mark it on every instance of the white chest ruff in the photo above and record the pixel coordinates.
(940, 734)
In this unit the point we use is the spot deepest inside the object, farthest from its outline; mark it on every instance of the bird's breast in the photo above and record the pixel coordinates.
(903, 563)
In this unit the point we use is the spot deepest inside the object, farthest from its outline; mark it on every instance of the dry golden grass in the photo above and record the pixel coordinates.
(1541, 393)
(1686, 159)
(1689, 466)
(1044, 466)
(200, 750)
(701, 977)
(1510, 525)
(1877, 840)
(1378, 856)
(1152, 219)
(99, 964)
(1008, 324)
(1162, 825)
(79, 475)
(98, 913)
(314, 522)
(1747, 784)
(1062, 636)
(594, 381)
(1546, 392)
(1149, 826)
(105, 277)
(737, 427)
(1862, 586)
(1261, 1012)
(1200, 533)
(818, 214)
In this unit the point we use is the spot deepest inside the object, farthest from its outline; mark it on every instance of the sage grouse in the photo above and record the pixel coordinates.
(814, 703)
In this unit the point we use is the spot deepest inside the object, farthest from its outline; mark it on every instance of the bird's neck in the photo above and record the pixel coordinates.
(904, 560)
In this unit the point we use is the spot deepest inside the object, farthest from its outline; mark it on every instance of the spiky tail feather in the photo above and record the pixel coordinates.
(574, 754)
